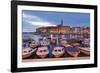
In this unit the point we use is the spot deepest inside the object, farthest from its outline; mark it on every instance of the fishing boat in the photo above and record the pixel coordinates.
(33, 44)
(27, 52)
(42, 52)
(75, 44)
(63, 43)
(58, 51)
(72, 51)
(44, 43)
(86, 42)
(85, 51)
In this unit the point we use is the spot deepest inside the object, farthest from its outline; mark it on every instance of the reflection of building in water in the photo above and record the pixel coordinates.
(64, 30)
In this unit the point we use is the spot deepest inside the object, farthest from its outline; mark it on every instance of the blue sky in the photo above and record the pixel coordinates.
(34, 19)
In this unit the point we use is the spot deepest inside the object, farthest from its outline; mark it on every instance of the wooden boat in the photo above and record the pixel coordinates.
(58, 51)
(42, 52)
(85, 51)
(33, 44)
(27, 52)
(86, 42)
(72, 51)
(75, 44)
(64, 43)
(44, 42)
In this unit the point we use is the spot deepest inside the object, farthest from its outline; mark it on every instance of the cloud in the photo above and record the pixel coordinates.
(42, 23)
(31, 17)
(36, 20)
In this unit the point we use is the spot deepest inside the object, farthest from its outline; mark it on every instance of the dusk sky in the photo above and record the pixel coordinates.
(34, 19)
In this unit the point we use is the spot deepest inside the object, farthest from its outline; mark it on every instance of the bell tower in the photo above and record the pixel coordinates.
(61, 23)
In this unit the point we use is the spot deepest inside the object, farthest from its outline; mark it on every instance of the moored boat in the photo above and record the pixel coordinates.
(42, 52)
(27, 52)
(33, 44)
(44, 43)
(85, 51)
(72, 51)
(58, 51)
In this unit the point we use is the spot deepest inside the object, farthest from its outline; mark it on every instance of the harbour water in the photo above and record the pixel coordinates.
(37, 36)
